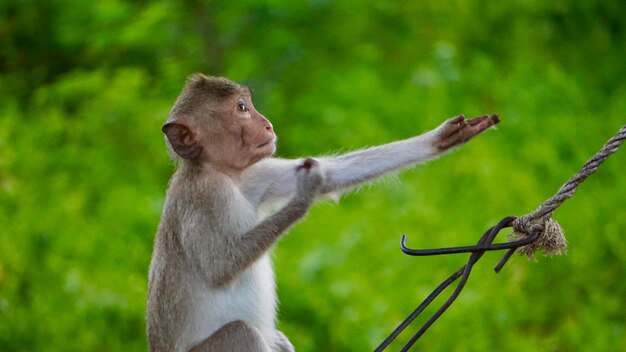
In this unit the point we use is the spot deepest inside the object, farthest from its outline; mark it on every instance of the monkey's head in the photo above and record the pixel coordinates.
(214, 122)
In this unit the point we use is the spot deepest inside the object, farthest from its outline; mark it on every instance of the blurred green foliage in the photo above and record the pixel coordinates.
(86, 85)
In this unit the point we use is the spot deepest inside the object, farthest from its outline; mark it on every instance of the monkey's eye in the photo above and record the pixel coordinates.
(241, 106)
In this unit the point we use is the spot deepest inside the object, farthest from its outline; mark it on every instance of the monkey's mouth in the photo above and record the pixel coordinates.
(271, 141)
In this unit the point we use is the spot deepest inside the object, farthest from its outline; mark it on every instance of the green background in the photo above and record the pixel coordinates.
(86, 85)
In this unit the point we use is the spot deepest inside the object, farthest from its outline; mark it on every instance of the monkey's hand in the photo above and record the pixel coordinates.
(310, 179)
(459, 130)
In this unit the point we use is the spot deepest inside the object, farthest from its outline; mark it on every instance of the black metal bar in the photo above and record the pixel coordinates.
(486, 238)
(484, 244)
(419, 309)
(463, 249)
(488, 235)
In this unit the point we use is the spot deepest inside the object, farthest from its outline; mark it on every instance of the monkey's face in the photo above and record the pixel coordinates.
(240, 136)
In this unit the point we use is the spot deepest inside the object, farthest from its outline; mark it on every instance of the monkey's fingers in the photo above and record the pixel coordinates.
(476, 120)
(457, 119)
(482, 123)
(453, 126)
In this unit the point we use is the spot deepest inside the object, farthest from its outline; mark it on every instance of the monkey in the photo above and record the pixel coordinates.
(211, 286)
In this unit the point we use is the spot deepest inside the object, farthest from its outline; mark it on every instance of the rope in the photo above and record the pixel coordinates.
(551, 238)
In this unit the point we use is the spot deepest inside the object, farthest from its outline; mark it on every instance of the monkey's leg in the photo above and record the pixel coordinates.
(282, 343)
(235, 336)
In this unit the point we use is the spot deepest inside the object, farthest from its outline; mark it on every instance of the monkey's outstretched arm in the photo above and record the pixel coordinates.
(354, 168)
(351, 169)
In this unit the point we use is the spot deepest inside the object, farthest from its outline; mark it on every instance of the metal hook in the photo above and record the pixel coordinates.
(479, 247)
(484, 244)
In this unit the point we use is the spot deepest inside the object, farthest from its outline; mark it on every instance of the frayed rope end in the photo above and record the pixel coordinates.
(551, 239)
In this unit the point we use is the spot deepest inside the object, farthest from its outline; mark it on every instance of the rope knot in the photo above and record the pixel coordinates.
(551, 236)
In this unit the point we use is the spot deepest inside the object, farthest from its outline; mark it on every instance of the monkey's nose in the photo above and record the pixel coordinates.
(266, 122)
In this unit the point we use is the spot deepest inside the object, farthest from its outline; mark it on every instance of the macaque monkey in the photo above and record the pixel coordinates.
(211, 283)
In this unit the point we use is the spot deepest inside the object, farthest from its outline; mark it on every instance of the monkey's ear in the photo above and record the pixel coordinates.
(182, 140)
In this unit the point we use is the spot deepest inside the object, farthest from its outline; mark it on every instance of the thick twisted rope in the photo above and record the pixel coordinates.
(552, 240)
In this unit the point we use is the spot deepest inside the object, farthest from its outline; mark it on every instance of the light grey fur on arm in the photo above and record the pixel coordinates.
(340, 172)
(352, 169)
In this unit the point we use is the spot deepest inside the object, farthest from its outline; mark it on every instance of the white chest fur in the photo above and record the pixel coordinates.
(250, 298)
